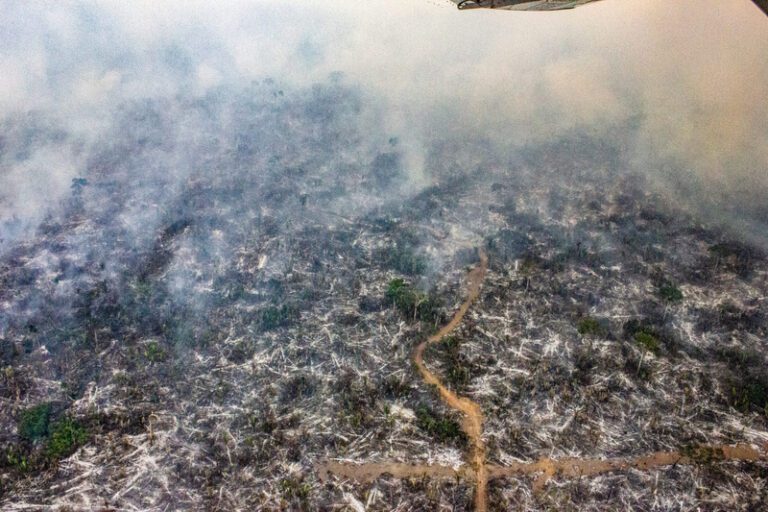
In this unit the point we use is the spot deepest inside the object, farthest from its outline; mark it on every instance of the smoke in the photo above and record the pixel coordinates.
(678, 84)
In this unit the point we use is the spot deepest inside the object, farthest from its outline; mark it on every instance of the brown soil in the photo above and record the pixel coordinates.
(368, 473)
(546, 468)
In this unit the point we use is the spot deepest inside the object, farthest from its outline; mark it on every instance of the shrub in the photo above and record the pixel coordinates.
(16, 459)
(640, 370)
(442, 429)
(400, 293)
(357, 397)
(584, 362)
(589, 325)
(153, 352)
(670, 293)
(412, 303)
(78, 184)
(386, 168)
(66, 436)
(395, 386)
(651, 336)
(295, 489)
(734, 257)
(648, 341)
(730, 316)
(739, 358)
(383, 224)
(33, 423)
(458, 375)
(273, 317)
(529, 264)
(749, 392)
(746, 382)
(457, 370)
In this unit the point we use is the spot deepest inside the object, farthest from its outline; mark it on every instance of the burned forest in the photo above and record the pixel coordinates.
(318, 259)
(221, 339)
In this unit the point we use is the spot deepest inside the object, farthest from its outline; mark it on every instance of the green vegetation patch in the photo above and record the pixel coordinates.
(457, 368)
(651, 336)
(670, 293)
(648, 341)
(273, 317)
(295, 489)
(746, 382)
(33, 422)
(154, 352)
(66, 436)
(15, 458)
(590, 326)
(44, 441)
(412, 303)
(749, 392)
(441, 428)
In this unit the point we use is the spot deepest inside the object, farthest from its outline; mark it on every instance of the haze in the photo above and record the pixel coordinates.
(678, 84)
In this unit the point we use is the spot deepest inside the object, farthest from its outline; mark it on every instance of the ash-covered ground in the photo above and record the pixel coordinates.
(231, 290)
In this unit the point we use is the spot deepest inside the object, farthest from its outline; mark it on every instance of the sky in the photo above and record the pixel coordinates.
(687, 78)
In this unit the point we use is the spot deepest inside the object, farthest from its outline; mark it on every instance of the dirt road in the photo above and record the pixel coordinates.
(473, 415)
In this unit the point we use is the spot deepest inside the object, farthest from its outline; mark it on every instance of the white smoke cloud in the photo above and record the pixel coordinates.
(687, 77)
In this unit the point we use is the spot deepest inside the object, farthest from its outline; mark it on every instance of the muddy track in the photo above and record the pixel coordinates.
(472, 423)
(577, 467)
(545, 468)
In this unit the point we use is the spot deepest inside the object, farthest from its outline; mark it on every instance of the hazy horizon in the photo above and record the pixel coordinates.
(677, 84)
